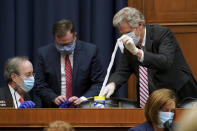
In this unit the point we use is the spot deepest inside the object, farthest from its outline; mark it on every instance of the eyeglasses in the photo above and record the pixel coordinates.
(28, 75)
(64, 42)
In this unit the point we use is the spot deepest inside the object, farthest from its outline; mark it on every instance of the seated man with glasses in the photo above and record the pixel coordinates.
(19, 76)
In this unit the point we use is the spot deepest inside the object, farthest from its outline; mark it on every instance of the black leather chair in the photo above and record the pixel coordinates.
(188, 102)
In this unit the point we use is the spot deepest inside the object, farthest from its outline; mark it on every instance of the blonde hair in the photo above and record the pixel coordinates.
(188, 121)
(130, 15)
(156, 101)
(59, 126)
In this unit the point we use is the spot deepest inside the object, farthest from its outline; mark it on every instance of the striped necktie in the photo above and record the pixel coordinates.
(143, 83)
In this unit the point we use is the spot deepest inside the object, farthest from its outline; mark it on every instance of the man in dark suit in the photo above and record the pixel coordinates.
(155, 48)
(68, 68)
(19, 77)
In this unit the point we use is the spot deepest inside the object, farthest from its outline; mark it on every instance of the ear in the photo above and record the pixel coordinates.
(13, 77)
(75, 33)
(140, 24)
(75, 36)
(55, 39)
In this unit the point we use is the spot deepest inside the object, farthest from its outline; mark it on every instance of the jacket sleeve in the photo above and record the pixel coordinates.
(163, 54)
(42, 87)
(123, 70)
(96, 75)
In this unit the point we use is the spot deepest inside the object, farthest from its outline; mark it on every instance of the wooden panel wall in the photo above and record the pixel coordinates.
(181, 17)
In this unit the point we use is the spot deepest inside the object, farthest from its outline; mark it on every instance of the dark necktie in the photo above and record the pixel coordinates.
(68, 75)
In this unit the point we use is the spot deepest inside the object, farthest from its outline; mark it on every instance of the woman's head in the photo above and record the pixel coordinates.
(59, 126)
(162, 100)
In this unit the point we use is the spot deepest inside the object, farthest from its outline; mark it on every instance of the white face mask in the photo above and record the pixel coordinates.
(164, 117)
(65, 49)
(135, 38)
(28, 84)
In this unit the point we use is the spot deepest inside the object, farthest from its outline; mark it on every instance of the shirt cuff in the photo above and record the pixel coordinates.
(142, 57)
(83, 98)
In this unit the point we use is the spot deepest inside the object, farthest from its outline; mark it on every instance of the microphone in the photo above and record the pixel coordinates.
(168, 126)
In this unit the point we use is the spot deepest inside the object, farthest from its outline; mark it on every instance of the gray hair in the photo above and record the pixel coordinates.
(12, 66)
(130, 15)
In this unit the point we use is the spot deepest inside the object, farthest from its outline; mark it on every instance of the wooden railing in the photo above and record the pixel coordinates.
(81, 119)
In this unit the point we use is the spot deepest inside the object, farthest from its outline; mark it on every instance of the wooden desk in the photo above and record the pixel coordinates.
(81, 119)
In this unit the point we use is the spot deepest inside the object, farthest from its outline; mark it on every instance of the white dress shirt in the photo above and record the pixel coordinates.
(143, 44)
(63, 78)
(15, 97)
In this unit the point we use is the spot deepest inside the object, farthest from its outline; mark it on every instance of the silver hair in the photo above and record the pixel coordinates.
(130, 15)
(12, 66)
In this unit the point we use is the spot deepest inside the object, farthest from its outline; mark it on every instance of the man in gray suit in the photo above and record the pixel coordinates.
(154, 47)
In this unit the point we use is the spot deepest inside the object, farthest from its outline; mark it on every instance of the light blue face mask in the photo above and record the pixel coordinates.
(134, 37)
(65, 49)
(28, 84)
(165, 116)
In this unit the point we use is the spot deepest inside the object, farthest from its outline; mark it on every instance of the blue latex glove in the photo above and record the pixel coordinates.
(27, 104)
(65, 104)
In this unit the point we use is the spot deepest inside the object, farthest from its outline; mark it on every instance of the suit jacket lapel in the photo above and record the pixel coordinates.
(149, 126)
(27, 97)
(56, 64)
(8, 93)
(149, 48)
(8, 97)
(149, 41)
(75, 62)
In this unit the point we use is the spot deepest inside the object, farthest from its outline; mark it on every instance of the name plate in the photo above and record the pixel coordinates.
(6, 103)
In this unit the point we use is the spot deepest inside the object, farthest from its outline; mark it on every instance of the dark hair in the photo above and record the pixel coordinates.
(12, 66)
(63, 26)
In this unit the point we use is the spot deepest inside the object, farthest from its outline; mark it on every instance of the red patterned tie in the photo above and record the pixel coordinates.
(68, 73)
(21, 100)
(143, 82)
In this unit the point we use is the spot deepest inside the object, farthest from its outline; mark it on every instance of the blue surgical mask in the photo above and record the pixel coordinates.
(28, 84)
(165, 116)
(65, 49)
(134, 37)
